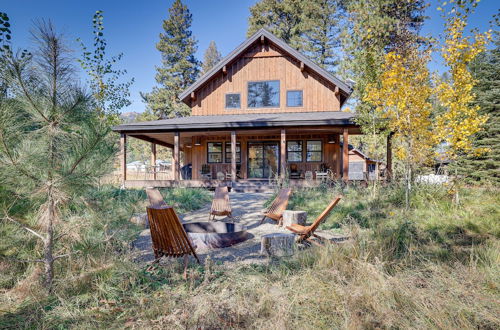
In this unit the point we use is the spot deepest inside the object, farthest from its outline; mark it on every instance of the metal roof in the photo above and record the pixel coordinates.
(281, 44)
(253, 120)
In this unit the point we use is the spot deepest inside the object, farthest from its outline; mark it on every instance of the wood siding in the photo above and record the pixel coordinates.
(261, 63)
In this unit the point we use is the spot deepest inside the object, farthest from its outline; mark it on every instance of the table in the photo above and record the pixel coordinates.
(277, 244)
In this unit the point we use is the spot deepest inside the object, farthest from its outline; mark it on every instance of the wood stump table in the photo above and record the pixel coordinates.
(297, 217)
(277, 244)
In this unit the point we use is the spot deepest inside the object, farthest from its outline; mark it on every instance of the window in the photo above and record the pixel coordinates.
(314, 151)
(228, 152)
(294, 98)
(371, 167)
(233, 101)
(294, 151)
(214, 152)
(264, 94)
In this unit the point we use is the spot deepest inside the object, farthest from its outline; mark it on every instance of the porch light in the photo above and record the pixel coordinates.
(331, 139)
(197, 142)
(188, 145)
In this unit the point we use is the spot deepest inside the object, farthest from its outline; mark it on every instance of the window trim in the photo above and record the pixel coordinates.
(321, 152)
(302, 98)
(268, 107)
(301, 152)
(226, 161)
(225, 101)
(209, 152)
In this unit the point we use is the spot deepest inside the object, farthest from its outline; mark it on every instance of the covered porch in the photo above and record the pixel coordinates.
(209, 151)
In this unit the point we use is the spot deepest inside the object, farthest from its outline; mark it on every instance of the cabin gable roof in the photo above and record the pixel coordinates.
(261, 35)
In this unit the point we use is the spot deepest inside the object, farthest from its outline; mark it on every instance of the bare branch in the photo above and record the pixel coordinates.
(65, 255)
(6, 216)
(21, 260)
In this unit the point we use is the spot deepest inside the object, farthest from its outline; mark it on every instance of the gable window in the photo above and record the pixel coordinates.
(228, 152)
(264, 94)
(294, 98)
(233, 101)
(294, 151)
(314, 151)
(214, 154)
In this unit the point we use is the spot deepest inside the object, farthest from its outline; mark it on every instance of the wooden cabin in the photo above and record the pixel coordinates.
(265, 111)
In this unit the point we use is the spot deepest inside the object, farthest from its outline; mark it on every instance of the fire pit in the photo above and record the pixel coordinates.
(215, 234)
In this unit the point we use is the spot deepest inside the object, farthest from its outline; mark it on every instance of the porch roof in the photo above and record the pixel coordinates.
(257, 120)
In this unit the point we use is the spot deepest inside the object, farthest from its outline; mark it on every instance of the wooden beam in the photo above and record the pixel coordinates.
(153, 159)
(224, 70)
(175, 157)
(123, 156)
(193, 96)
(337, 91)
(233, 156)
(302, 66)
(345, 155)
(283, 154)
(389, 156)
(262, 40)
(153, 140)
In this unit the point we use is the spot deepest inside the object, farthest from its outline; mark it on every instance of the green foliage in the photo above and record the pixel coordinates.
(179, 67)
(211, 58)
(108, 94)
(486, 70)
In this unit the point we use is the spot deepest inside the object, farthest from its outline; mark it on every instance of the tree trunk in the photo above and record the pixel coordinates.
(48, 244)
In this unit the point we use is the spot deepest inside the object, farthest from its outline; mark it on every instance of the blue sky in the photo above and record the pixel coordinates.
(132, 27)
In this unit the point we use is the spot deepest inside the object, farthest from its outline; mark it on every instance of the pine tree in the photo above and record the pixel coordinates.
(211, 58)
(179, 67)
(284, 18)
(486, 70)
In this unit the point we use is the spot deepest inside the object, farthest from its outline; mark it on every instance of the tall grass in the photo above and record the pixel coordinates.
(435, 266)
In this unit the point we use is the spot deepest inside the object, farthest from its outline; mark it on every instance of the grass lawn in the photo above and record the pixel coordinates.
(434, 266)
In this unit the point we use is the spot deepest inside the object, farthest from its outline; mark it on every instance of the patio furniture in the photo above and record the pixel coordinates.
(308, 176)
(294, 217)
(295, 173)
(321, 176)
(220, 176)
(205, 172)
(305, 232)
(155, 198)
(168, 235)
(220, 205)
(277, 244)
(278, 206)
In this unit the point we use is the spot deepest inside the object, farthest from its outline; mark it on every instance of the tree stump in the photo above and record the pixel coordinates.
(277, 244)
(140, 219)
(294, 217)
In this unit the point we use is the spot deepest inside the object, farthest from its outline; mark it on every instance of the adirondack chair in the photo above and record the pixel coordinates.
(305, 232)
(155, 197)
(278, 206)
(220, 204)
(168, 235)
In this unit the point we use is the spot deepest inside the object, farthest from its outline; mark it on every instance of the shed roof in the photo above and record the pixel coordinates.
(253, 120)
(344, 87)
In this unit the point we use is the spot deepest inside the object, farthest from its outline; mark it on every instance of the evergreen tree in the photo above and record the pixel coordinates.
(486, 70)
(179, 67)
(284, 18)
(211, 58)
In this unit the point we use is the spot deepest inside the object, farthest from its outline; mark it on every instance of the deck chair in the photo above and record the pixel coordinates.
(168, 235)
(155, 198)
(278, 206)
(305, 232)
(220, 204)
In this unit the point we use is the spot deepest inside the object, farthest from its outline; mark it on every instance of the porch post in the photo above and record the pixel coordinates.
(345, 156)
(283, 154)
(123, 156)
(153, 159)
(175, 157)
(233, 156)
(389, 156)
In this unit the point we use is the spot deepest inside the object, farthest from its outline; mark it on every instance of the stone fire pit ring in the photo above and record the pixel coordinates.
(210, 235)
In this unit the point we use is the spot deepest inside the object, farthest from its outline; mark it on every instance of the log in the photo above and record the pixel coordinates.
(277, 244)
(294, 217)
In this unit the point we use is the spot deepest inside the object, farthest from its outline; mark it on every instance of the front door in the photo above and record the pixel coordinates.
(263, 159)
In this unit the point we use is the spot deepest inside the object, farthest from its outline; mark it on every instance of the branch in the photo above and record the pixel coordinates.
(25, 91)
(13, 162)
(65, 255)
(82, 157)
(23, 226)
(21, 260)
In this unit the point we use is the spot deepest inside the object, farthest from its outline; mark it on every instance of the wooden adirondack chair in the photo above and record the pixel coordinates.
(278, 206)
(168, 235)
(155, 197)
(220, 204)
(305, 232)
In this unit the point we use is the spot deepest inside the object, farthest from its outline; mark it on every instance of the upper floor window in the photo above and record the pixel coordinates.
(314, 151)
(294, 151)
(264, 94)
(294, 98)
(214, 152)
(228, 152)
(233, 101)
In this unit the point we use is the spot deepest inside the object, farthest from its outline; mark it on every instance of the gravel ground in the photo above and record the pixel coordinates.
(247, 210)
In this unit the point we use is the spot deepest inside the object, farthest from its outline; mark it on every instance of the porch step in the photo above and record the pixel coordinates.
(252, 186)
